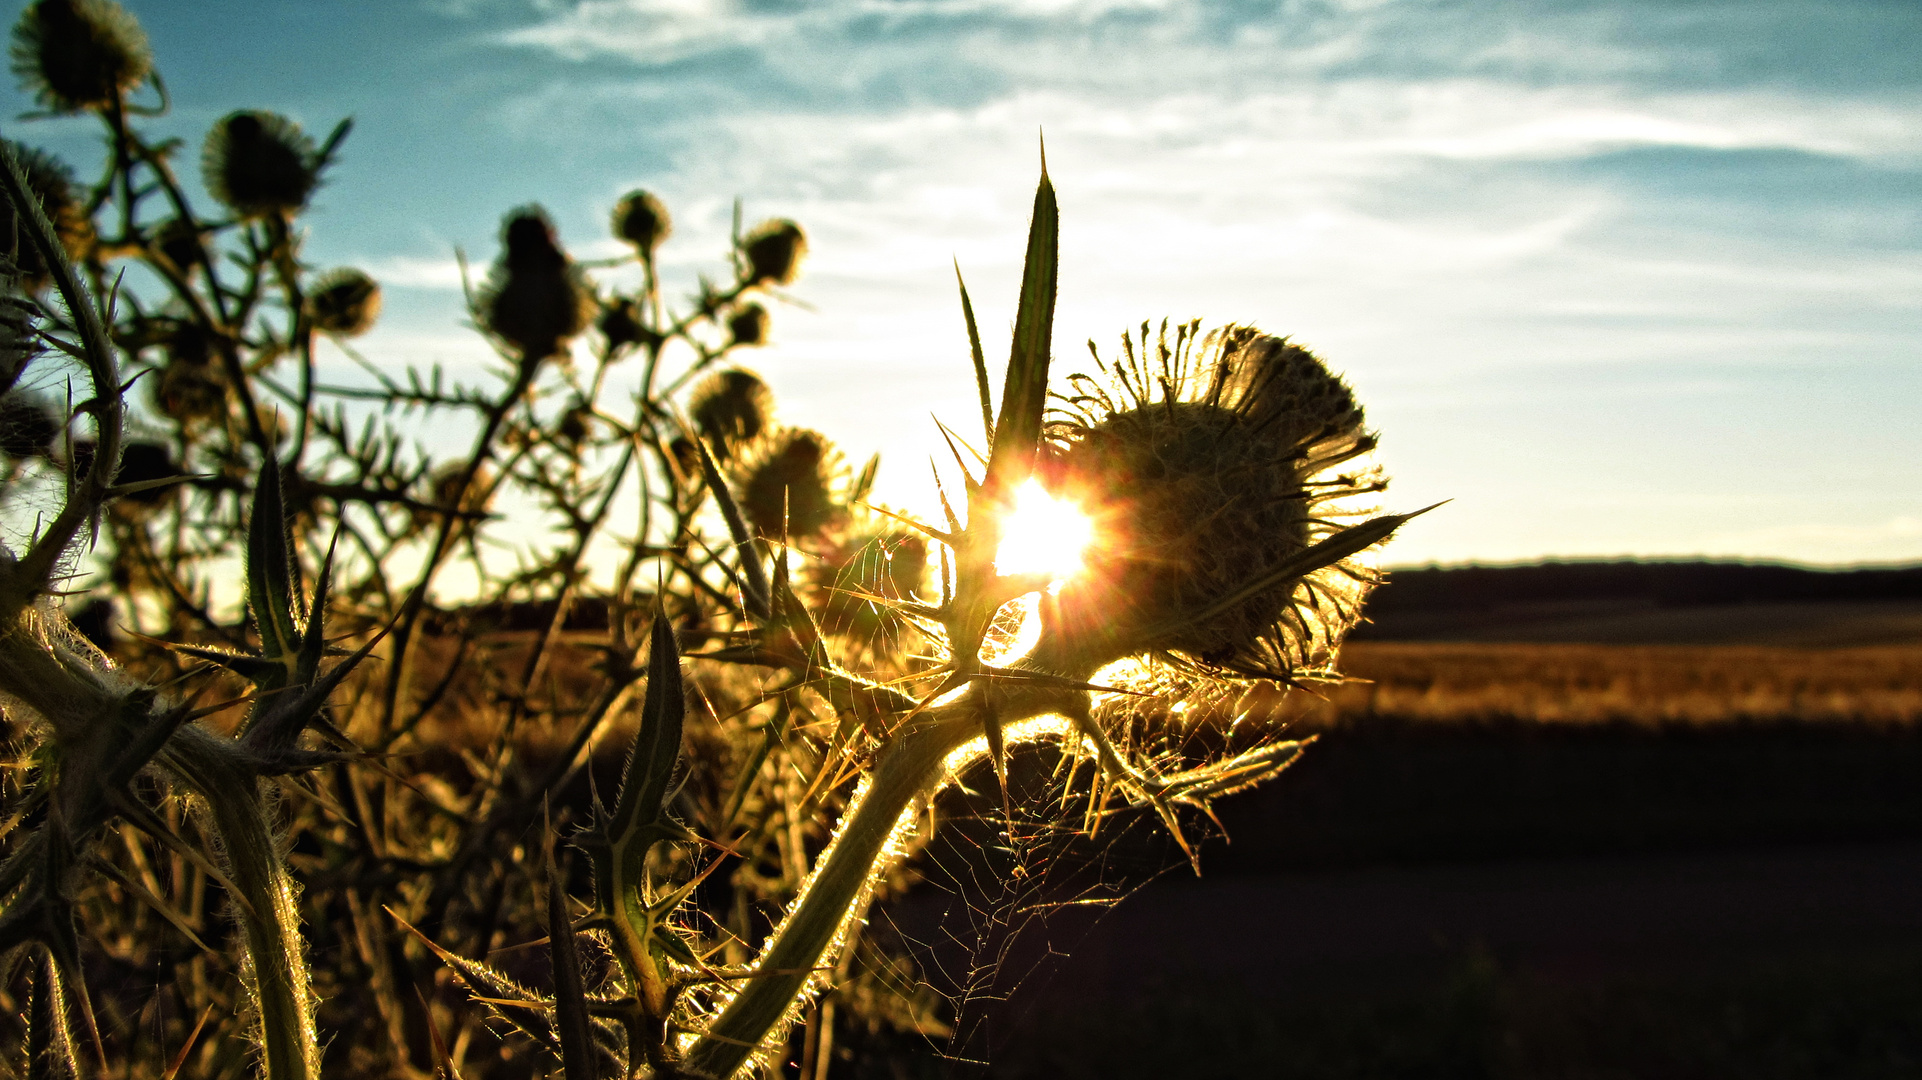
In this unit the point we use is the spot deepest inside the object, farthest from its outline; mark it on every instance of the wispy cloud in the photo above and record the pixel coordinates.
(1571, 251)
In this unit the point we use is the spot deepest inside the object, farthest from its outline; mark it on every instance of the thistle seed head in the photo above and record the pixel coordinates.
(642, 220)
(343, 302)
(535, 298)
(1207, 462)
(731, 409)
(75, 55)
(789, 487)
(50, 180)
(259, 164)
(771, 254)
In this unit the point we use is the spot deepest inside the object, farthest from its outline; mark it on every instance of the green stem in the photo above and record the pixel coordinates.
(913, 766)
(278, 979)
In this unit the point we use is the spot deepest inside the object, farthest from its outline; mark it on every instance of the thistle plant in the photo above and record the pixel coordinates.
(583, 746)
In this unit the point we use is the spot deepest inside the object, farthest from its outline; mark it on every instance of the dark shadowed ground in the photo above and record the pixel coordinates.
(1474, 895)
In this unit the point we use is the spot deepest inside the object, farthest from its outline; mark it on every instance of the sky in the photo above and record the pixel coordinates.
(1618, 278)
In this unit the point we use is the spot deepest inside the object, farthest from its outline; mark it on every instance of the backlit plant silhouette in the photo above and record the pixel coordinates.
(343, 813)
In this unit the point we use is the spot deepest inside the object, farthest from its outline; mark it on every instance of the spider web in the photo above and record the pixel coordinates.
(1003, 902)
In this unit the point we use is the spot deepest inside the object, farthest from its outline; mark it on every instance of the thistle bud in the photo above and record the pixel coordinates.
(771, 254)
(190, 393)
(179, 241)
(52, 182)
(621, 325)
(789, 489)
(748, 326)
(343, 302)
(641, 220)
(79, 54)
(259, 164)
(1200, 490)
(28, 426)
(534, 299)
(730, 409)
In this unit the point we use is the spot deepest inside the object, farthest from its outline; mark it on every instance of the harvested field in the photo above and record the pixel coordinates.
(1585, 683)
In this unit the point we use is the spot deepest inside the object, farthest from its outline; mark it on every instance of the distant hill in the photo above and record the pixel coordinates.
(1627, 602)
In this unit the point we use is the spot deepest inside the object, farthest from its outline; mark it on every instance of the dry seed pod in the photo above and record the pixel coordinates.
(28, 426)
(789, 488)
(641, 220)
(1205, 473)
(772, 253)
(534, 298)
(731, 408)
(343, 302)
(259, 164)
(50, 180)
(79, 54)
(748, 326)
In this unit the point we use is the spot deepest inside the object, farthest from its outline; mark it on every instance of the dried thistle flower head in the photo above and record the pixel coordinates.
(731, 409)
(259, 164)
(771, 254)
(642, 220)
(50, 180)
(748, 325)
(79, 54)
(789, 487)
(343, 302)
(1208, 462)
(535, 299)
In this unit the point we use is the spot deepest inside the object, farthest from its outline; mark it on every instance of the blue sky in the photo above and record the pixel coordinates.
(1619, 278)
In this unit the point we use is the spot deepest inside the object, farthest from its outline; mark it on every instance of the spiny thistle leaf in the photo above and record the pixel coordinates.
(273, 588)
(1327, 552)
(980, 361)
(753, 577)
(1017, 430)
(486, 985)
(570, 990)
(657, 745)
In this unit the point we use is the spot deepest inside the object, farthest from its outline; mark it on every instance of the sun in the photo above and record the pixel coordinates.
(1044, 535)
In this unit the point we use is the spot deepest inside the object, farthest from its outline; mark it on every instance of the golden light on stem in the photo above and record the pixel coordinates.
(1044, 535)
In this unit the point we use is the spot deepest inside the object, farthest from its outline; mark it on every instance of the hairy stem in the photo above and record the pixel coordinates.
(912, 767)
(279, 983)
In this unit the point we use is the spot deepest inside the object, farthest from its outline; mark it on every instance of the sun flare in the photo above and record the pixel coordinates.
(1044, 535)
